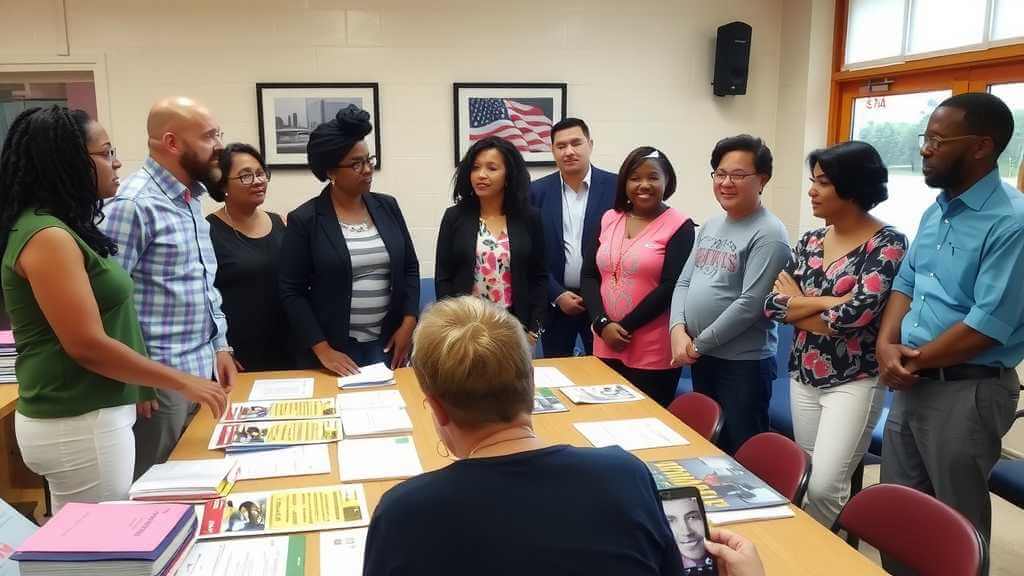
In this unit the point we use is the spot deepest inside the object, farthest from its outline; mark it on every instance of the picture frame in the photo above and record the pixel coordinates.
(288, 112)
(520, 112)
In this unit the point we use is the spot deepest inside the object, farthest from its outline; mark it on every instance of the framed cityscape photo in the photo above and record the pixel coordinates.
(288, 113)
(521, 113)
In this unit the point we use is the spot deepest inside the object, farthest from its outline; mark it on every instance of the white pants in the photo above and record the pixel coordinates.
(834, 426)
(86, 458)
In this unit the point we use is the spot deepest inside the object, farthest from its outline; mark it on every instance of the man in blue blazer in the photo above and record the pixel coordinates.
(571, 202)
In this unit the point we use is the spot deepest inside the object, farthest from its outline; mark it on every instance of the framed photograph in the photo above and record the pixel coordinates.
(520, 113)
(288, 113)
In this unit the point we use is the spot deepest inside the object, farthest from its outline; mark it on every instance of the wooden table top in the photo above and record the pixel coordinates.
(8, 398)
(791, 546)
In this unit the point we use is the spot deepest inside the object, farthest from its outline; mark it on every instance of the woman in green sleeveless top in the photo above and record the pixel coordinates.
(81, 368)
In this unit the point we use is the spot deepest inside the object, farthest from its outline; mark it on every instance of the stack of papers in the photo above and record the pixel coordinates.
(280, 410)
(375, 422)
(370, 400)
(267, 556)
(105, 539)
(632, 434)
(254, 436)
(187, 481)
(545, 401)
(281, 389)
(378, 458)
(369, 376)
(283, 511)
(602, 394)
(8, 355)
(550, 377)
(14, 529)
(343, 551)
(290, 461)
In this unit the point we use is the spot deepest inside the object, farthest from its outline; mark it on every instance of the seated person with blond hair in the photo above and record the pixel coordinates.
(511, 503)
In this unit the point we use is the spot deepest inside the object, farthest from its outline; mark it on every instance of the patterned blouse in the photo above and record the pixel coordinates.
(493, 271)
(867, 271)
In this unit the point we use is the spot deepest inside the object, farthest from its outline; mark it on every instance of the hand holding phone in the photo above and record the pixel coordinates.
(685, 513)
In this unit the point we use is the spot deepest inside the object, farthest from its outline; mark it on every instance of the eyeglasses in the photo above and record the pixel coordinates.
(250, 178)
(110, 155)
(358, 163)
(926, 142)
(735, 177)
(215, 135)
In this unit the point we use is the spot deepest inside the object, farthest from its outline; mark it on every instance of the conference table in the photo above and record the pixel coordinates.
(791, 546)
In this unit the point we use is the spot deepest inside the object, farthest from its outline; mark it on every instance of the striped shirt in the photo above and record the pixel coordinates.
(164, 243)
(371, 282)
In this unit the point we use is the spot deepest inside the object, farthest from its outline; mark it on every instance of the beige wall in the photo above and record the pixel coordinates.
(638, 72)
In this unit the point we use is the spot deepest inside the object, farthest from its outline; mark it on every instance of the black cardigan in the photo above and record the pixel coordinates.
(316, 272)
(455, 265)
(677, 252)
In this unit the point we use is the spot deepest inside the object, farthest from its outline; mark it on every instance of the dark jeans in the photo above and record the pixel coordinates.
(743, 389)
(559, 338)
(366, 353)
(659, 385)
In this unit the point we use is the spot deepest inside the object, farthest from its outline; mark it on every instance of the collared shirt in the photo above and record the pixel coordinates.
(574, 210)
(967, 265)
(164, 243)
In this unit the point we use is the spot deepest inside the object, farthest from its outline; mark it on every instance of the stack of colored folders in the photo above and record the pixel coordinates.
(110, 540)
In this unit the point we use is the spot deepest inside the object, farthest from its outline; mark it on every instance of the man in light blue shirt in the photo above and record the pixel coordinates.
(163, 241)
(953, 329)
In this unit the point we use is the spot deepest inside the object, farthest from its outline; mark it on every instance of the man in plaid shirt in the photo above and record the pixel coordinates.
(164, 243)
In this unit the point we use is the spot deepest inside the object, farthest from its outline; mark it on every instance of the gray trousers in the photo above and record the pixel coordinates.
(944, 437)
(156, 437)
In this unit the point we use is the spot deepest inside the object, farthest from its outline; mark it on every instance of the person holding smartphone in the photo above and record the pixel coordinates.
(686, 519)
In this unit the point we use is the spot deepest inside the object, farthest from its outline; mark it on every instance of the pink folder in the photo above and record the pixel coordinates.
(106, 528)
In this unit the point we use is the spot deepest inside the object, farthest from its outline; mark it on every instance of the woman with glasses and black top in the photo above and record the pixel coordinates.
(247, 241)
(350, 280)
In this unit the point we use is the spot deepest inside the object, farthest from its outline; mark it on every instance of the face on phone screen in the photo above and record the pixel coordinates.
(687, 523)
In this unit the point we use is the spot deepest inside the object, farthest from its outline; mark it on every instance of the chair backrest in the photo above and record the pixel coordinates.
(778, 461)
(916, 530)
(700, 412)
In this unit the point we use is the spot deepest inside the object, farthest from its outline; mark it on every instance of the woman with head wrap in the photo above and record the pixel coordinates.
(349, 276)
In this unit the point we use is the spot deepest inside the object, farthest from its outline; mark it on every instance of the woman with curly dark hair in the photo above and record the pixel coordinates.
(491, 243)
(349, 277)
(81, 365)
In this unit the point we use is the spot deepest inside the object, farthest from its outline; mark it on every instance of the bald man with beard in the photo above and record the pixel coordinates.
(164, 243)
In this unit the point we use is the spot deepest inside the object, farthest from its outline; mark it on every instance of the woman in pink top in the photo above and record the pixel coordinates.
(629, 275)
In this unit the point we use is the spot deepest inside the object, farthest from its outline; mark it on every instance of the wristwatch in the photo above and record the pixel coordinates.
(600, 323)
(227, 349)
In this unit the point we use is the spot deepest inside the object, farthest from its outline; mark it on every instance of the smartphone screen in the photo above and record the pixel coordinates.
(685, 513)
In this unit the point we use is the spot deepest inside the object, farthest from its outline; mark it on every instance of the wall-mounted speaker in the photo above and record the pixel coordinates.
(732, 59)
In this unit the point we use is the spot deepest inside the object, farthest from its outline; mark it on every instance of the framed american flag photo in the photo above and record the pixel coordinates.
(521, 113)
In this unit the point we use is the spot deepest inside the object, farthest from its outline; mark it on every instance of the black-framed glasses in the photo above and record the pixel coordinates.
(926, 142)
(358, 163)
(734, 177)
(110, 154)
(250, 178)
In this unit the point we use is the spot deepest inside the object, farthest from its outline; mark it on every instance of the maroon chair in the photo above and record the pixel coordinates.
(778, 461)
(916, 530)
(700, 412)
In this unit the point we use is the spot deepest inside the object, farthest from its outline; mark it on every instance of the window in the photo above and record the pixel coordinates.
(22, 90)
(886, 31)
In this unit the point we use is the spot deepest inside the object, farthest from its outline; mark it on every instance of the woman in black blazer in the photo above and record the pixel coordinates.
(491, 243)
(349, 276)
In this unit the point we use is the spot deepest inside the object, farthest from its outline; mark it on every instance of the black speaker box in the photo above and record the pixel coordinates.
(732, 59)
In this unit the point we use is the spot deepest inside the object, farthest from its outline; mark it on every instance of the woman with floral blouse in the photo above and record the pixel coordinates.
(491, 243)
(833, 292)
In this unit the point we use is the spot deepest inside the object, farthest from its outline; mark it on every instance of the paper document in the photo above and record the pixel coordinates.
(378, 458)
(632, 434)
(260, 435)
(752, 515)
(601, 394)
(545, 401)
(291, 461)
(268, 556)
(185, 481)
(281, 389)
(14, 529)
(280, 410)
(373, 375)
(298, 510)
(375, 421)
(550, 377)
(371, 399)
(342, 551)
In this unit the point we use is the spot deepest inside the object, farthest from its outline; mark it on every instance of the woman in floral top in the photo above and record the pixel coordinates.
(491, 243)
(833, 293)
